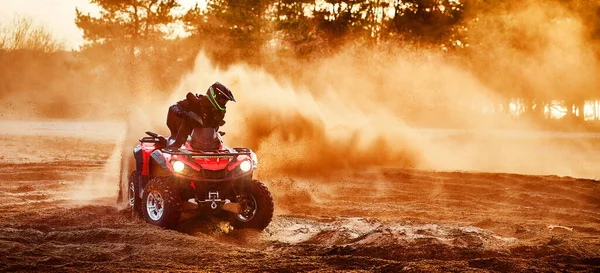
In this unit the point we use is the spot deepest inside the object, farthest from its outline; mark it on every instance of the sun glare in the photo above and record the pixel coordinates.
(186, 4)
(555, 110)
(516, 107)
(591, 110)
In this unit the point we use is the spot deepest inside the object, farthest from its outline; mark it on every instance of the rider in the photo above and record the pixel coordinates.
(210, 109)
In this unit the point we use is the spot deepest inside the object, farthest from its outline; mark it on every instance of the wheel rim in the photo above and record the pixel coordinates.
(155, 205)
(131, 194)
(249, 207)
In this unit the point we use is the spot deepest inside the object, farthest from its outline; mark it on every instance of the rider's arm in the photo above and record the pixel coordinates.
(194, 100)
(180, 108)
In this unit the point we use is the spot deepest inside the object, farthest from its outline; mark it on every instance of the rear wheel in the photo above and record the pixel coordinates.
(133, 195)
(257, 206)
(160, 203)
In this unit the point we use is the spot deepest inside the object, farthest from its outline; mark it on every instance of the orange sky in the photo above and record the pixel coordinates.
(58, 16)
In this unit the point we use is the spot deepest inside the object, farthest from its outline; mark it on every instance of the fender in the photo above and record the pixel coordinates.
(139, 158)
(159, 160)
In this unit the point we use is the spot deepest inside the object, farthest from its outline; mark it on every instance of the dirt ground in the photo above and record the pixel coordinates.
(58, 213)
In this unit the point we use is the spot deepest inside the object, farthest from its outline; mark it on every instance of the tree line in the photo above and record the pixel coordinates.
(158, 39)
(302, 27)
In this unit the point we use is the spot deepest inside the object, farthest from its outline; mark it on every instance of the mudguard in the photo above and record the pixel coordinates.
(159, 160)
(139, 158)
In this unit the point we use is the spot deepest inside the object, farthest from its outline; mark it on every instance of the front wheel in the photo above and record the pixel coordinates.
(257, 206)
(160, 203)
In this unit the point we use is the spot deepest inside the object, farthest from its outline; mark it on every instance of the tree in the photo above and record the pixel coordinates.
(426, 21)
(22, 33)
(231, 29)
(129, 22)
(341, 19)
(294, 27)
(31, 59)
(135, 33)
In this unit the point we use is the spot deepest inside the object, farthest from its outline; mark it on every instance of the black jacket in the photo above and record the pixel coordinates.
(200, 105)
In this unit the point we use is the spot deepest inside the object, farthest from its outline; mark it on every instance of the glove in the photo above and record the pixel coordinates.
(178, 112)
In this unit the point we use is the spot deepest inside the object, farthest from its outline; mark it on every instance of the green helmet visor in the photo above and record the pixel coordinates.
(218, 103)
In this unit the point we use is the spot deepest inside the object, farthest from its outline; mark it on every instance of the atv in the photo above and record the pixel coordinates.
(168, 181)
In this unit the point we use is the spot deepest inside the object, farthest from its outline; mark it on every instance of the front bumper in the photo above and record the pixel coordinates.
(223, 177)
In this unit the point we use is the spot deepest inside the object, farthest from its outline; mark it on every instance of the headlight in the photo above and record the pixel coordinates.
(245, 166)
(254, 160)
(178, 166)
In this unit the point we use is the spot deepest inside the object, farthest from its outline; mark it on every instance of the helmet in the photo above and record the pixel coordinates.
(218, 95)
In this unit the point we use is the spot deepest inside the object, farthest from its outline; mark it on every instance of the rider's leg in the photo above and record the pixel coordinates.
(181, 136)
(173, 122)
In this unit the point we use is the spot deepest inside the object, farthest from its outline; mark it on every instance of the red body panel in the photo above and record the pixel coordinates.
(240, 159)
(147, 149)
(213, 164)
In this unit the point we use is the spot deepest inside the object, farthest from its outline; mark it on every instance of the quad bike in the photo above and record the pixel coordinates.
(168, 181)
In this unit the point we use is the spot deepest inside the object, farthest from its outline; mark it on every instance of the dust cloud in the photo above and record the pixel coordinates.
(378, 107)
(535, 49)
(102, 185)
